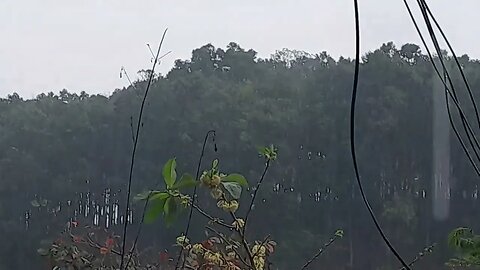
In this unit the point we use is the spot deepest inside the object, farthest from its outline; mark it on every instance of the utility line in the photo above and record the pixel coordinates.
(352, 138)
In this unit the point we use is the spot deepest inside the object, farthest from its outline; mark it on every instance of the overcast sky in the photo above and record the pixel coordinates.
(48, 45)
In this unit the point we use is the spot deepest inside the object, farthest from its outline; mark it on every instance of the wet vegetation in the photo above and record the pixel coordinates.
(64, 164)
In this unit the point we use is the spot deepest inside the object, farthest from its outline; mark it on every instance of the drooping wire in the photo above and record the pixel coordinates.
(453, 96)
(352, 138)
(457, 134)
(464, 78)
(451, 93)
(132, 161)
(466, 125)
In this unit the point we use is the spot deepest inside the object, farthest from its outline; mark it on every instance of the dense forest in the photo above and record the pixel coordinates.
(66, 156)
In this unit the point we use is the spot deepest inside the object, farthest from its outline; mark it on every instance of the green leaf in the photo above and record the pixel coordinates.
(262, 150)
(156, 208)
(44, 202)
(459, 237)
(169, 172)
(43, 251)
(168, 207)
(236, 178)
(233, 188)
(170, 211)
(159, 196)
(270, 152)
(215, 164)
(339, 233)
(144, 195)
(35, 203)
(141, 196)
(186, 181)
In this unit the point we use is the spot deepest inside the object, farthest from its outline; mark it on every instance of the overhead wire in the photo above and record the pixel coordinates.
(460, 69)
(467, 127)
(352, 139)
(469, 131)
(452, 93)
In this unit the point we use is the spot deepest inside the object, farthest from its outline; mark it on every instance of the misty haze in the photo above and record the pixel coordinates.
(254, 135)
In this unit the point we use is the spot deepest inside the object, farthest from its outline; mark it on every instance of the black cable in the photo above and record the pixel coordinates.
(470, 93)
(352, 138)
(457, 134)
(452, 95)
(132, 161)
(466, 125)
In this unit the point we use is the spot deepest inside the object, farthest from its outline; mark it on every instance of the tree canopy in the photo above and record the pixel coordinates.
(72, 150)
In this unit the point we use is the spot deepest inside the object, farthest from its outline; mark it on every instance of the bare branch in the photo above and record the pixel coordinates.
(132, 162)
(228, 242)
(420, 255)
(321, 250)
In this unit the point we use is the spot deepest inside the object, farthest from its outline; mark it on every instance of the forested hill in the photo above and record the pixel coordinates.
(58, 147)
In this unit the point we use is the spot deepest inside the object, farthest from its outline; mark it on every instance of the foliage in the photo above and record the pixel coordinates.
(219, 251)
(467, 245)
(62, 146)
(81, 247)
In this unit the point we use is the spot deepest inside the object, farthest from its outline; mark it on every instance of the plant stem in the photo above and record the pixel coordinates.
(211, 218)
(267, 165)
(229, 243)
(420, 255)
(132, 161)
(197, 175)
(320, 251)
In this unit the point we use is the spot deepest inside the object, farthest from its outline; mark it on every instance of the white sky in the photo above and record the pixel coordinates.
(48, 45)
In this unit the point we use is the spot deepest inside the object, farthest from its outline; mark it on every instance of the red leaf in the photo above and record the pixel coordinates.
(77, 239)
(104, 250)
(109, 242)
(207, 244)
(163, 256)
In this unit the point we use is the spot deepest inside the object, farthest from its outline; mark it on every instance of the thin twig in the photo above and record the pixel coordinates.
(91, 243)
(131, 129)
(94, 244)
(132, 162)
(243, 237)
(139, 231)
(211, 218)
(261, 245)
(320, 251)
(194, 194)
(143, 218)
(267, 165)
(229, 243)
(153, 55)
(420, 255)
(242, 231)
(128, 77)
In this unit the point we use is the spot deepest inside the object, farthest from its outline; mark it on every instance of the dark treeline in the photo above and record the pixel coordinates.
(61, 147)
